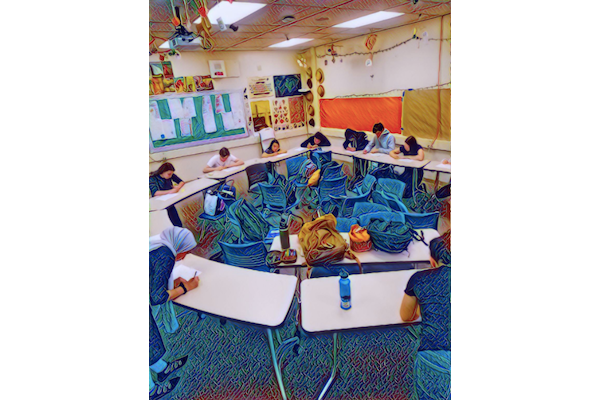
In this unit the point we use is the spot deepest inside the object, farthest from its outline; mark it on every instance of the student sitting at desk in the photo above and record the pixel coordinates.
(382, 142)
(427, 294)
(174, 242)
(412, 151)
(316, 140)
(273, 149)
(355, 141)
(222, 160)
(161, 180)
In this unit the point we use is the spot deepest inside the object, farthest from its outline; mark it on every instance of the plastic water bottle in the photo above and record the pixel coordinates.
(284, 234)
(345, 291)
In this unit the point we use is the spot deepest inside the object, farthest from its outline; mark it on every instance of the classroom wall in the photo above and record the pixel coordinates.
(189, 162)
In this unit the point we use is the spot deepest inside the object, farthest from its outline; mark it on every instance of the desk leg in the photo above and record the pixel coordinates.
(437, 181)
(333, 367)
(276, 364)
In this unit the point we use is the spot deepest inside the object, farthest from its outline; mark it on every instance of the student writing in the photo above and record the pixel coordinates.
(221, 161)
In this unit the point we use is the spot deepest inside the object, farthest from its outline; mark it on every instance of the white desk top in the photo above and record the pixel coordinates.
(234, 170)
(190, 188)
(438, 166)
(238, 293)
(416, 251)
(376, 300)
(380, 158)
(159, 221)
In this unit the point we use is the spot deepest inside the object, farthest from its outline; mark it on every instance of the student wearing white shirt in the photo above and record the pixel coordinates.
(222, 160)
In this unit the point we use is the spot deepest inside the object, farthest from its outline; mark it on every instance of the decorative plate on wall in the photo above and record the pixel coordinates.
(321, 90)
(309, 97)
(311, 122)
(309, 83)
(311, 111)
(309, 72)
(320, 75)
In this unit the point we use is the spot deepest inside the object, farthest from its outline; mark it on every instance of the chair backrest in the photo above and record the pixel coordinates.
(390, 200)
(422, 221)
(365, 208)
(383, 171)
(364, 219)
(329, 187)
(257, 173)
(332, 170)
(273, 196)
(350, 202)
(247, 255)
(320, 157)
(393, 186)
(367, 184)
(294, 165)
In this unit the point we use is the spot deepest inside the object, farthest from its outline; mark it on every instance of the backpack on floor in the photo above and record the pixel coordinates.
(254, 226)
(322, 245)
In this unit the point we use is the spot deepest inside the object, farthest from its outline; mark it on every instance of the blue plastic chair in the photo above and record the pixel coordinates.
(344, 224)
(366, 208)
(273, 197)
(256, 173)
(389, 200)
(328, 188)
(364, 219)
(346, 204)
(366, 186)
(320, 157)
(391, 186)
(248, 255)
(332, 170)
(422, 220)
(294, 165)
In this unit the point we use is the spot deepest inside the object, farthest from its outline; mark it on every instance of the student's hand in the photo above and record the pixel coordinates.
(394, 155)
(351, 148)
(364, 152)
(220, 168)
(282, 151)
(177, 281)
(444, 161)
(192, 283)
(176, 189)
(374, 151)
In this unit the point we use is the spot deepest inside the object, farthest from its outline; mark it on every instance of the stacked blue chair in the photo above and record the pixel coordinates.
(366, 185)
(328, 188)
(344, 224)
(332, 170)
(345, 205)
(364, 219)
(248, 255)
(273, 197)
(388, 200)
(422, 220)
(320, 157)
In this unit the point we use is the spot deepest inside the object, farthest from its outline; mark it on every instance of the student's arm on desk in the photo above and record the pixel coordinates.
(189, 285)
(419, 157)
(236, 164)
(209, 169)
(175, 189)
(409, 310)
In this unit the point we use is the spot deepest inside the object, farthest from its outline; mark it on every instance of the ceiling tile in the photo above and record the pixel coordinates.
(332, 17)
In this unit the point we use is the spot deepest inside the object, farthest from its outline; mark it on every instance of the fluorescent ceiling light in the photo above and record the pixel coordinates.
(290, 43)
(368, 19)
(231, 12)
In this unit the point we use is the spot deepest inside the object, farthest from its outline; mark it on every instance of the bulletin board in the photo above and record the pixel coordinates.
(422, 108)
(360, 114)
(193, 119)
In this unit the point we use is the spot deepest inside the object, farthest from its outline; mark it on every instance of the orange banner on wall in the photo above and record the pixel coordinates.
(360, 114)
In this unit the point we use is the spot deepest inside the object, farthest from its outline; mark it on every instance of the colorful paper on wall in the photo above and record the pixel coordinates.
(228, 121)
(203, 82)
(151, 91)
(175, 108)
(167, 70)
(162, 129)
(207, 115)
(154, 113)
(260, 87)
(180, 84)
(287, 85)
(297, 116)
(189, 110)
(157, 85)
(156, 70)
(169, 129)
(185, 126)
(219, 105)
(190, 86)
(237, 108)
(281, 115)
(169, 85)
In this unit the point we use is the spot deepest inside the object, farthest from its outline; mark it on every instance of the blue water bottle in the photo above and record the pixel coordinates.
(345, 290)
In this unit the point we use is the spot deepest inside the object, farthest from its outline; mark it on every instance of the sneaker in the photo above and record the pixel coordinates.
(161, 390)
(172, 366)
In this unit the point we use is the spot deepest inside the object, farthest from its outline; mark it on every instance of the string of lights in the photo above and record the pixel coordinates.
(389, 91)
(360, 53)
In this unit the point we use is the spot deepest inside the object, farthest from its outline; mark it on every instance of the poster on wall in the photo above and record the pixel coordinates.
(161, 75)
(190, 86)
(167, 70)
(287, 85)
(281, 115)
(180, 84)
(297, 116)
(203, 82)
(260, 87)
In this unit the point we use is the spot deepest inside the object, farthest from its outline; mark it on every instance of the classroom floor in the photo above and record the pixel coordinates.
(233, 361)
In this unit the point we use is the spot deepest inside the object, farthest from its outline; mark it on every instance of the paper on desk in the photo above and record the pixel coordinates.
(406, 160)
(447, 166)
(298, 149)
(166, 197)
(181, 271)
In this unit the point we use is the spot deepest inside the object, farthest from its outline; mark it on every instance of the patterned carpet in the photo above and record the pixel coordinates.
(233, 361)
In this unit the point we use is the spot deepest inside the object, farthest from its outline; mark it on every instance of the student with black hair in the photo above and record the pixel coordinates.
(355, 141)
(161, 180)
(317, 140)
(413, 151)
(382, 142)
(427, 294)
(221, 161)
(273, 149)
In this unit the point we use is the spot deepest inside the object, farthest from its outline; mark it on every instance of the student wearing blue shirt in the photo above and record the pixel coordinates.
(382, 142)
(427, 294)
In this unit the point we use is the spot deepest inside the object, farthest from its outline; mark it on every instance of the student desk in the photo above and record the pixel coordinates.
(159, 221)
(241, 294)
(376, 300)
(379, 158)
(162, 202)
(416, 252)
(437, 168)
